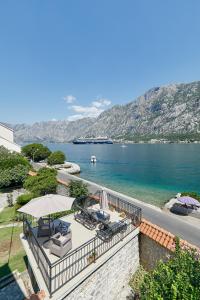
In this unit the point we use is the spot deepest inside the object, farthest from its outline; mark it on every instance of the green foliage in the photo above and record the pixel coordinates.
(78, 189)
(11, 159)
(62, 214)
(177, 279)
(14, 176)
(36, 152)
(43, 183)
(191, 194)
(24, 199)
(137, 279)
(56, 158)
(14, 168)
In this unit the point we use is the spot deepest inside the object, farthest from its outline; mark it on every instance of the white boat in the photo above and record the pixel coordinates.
(123, 146)
(93, 159)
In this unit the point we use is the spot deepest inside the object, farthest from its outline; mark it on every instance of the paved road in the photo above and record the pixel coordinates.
(169, 222)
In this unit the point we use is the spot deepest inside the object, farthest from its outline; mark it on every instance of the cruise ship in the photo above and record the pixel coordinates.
(98, 140)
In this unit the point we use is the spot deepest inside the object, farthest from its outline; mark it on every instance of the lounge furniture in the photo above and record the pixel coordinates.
(44, 227)
(86, 217)
(62, 227)
(108, 230)
(61, 244)
(102, 216)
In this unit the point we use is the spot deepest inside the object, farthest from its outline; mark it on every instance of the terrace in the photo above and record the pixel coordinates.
(89, 246)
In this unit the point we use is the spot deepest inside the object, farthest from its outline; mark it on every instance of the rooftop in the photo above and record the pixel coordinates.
(58, 275)
(161, 236)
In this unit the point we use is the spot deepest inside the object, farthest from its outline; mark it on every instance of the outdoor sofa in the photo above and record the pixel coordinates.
(60, 244)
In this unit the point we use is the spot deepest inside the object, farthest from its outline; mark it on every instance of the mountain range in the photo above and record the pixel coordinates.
(172, 110)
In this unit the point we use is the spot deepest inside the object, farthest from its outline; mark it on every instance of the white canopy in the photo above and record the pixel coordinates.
(46, 205)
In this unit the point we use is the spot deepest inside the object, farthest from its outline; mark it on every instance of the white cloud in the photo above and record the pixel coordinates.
(75, 117)
(54, 119)
(101, 102)
(69, 98)
(91, 111)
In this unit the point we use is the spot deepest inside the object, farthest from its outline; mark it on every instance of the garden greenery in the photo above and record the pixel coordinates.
(13, 168)
(78, 189)
(56, 158)
(176, 279)
(43, 183)
(36, 152)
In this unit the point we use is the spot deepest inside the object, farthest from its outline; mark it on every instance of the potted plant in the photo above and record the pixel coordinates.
(92, 257)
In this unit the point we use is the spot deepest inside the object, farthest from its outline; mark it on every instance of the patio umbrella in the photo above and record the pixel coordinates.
(104, 200)
(46, 205)
(188, 200)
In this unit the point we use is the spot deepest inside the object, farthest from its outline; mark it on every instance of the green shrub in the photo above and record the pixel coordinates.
(137, 279)
(43, 183)
(36, 152)
(78, 189)
(24, 199)
(56, 158)
(191, 194)
(14, 176)
(14, 168)
(179, 278)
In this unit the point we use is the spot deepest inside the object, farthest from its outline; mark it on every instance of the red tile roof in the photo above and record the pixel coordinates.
(161, 236)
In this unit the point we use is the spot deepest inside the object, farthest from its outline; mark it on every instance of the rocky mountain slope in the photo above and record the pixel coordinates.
(162, 111)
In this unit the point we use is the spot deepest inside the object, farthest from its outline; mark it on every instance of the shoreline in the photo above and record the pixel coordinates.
(155, 211)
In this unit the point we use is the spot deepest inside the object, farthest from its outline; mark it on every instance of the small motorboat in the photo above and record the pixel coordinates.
(123, 146)
(93, 159)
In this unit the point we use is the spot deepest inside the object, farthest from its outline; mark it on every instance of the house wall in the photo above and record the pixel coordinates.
(6, 139)
(6, 133)
(109, 281)
(151, 252)
(9, 145)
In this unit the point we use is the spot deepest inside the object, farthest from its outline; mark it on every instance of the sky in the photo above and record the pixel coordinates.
(69, 59)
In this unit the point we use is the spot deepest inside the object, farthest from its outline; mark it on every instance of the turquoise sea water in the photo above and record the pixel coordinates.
(149, 172)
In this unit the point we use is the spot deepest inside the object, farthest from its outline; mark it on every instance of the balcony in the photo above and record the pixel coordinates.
(88, 245)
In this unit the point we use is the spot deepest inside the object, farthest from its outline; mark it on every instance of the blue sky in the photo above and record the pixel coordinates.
(68, 59)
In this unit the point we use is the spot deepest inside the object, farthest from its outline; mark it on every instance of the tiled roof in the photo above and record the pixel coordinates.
(161, 236)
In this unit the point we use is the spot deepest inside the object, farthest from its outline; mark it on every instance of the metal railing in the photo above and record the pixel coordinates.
(59, 273)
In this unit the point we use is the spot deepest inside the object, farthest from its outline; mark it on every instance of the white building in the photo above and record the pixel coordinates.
(7, 139)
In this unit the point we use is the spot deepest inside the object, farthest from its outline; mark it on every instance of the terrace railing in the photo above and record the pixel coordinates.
(59, 273)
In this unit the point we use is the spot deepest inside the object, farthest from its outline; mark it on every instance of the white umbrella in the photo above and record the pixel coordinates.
(104, 200)
(46, 205)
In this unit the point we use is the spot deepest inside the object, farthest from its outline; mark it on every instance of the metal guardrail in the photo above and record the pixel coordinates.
(59, 273)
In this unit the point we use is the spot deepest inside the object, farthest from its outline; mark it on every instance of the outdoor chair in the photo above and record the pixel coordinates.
(108, 230)
(44, 227)
(86, 218)
(60, 245)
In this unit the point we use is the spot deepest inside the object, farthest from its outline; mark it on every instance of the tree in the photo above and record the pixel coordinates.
(36, 152)
(14, 168)
(177, 279)
(43, 183)
(56, 158)
(78, 189)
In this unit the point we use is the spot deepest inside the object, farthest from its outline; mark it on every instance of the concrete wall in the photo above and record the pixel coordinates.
(9, 145)
(109, 281)
(151, 252)
(6, 133)
(6, 139)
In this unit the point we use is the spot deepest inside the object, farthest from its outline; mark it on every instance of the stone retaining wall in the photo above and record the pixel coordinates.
(111, 279)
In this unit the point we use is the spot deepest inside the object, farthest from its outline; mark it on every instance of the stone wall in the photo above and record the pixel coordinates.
(110, 280)
(151, 252)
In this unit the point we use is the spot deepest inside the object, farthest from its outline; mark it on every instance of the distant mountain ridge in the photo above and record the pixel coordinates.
(161, 111)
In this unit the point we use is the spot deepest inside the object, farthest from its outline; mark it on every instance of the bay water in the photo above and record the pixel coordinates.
(153, 173)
